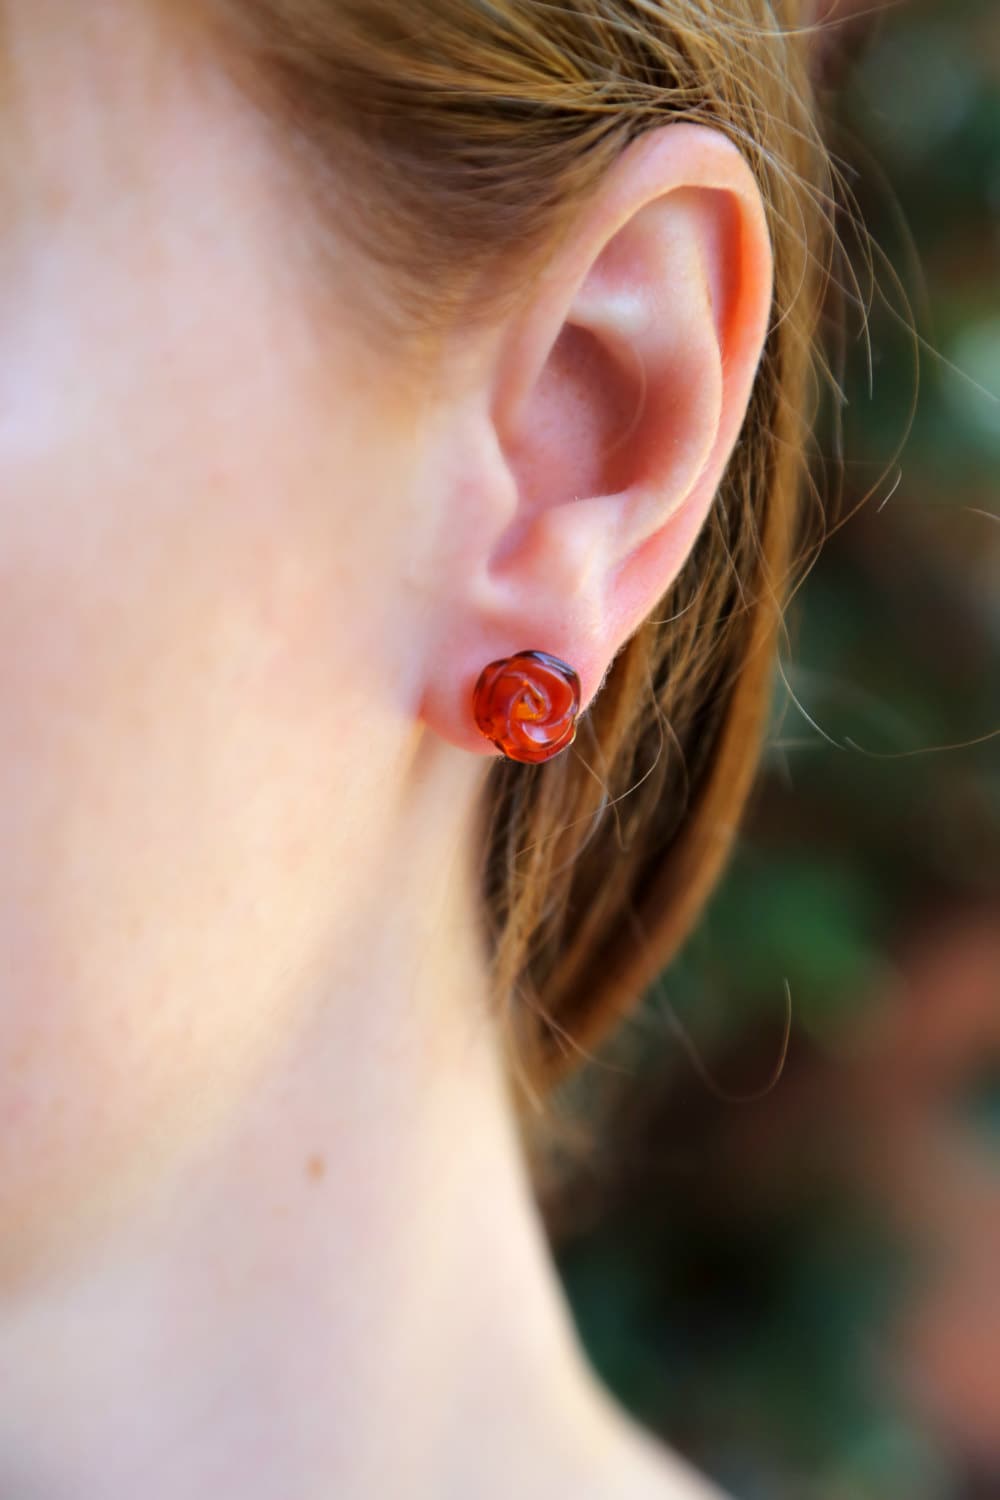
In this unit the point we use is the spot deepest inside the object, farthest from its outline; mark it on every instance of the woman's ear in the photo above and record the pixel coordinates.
(617, 392)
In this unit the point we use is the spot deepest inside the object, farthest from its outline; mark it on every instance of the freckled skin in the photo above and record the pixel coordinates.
(193, 495)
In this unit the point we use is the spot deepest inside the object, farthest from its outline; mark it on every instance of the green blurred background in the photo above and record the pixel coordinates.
(799, 1286)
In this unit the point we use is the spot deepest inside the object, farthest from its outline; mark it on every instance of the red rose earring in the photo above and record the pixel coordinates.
(527, 705)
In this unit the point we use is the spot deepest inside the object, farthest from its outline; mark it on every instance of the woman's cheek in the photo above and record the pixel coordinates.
(168, 758)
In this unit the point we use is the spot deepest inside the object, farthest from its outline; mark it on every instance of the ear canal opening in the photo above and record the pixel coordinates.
(640, 408)
(602, 374)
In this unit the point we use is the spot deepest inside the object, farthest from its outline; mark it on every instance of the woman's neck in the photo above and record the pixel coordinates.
(347, 1291)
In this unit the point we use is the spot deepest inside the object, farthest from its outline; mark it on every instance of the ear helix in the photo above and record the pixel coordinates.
(527, 705)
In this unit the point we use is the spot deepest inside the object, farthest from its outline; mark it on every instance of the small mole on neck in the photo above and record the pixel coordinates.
(316, 1168)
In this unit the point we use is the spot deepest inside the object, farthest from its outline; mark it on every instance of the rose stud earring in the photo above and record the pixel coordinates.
(527, 705)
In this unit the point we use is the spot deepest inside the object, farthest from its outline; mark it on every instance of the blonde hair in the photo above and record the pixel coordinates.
(471, 131)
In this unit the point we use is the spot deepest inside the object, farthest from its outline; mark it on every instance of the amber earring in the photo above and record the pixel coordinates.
(527, 705)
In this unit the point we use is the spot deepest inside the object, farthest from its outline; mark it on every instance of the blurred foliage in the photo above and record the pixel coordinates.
(739, 1281)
